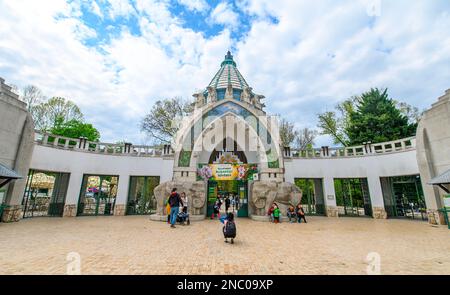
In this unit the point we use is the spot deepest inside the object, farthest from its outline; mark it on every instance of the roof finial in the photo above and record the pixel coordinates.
(229, 56)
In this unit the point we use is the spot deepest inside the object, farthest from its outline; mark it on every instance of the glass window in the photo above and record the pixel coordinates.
(98, 195)
(141, 198)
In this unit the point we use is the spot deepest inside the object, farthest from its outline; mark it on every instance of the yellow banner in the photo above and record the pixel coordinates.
(224, 171)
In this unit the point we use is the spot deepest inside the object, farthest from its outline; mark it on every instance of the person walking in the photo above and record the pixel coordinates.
(227, 204)
(216, 209)
(300, 213)
(236, 201)
(174, 201)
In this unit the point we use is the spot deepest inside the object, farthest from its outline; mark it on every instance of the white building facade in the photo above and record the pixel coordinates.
(73, 177)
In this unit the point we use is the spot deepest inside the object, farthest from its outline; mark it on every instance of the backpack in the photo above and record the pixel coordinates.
(230, 230)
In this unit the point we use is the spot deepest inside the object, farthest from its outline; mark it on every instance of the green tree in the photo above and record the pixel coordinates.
(46, 114)
(371, 116)
(376, 119)
(161, 123)
(75, 129)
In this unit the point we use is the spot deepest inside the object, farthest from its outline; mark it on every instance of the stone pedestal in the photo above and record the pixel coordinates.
(379, 213)
(332, 211)
(435, 217)
(12, 213)
(120, 209)
(70, 210)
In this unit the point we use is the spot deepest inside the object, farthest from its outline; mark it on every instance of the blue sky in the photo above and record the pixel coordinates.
(115, 58)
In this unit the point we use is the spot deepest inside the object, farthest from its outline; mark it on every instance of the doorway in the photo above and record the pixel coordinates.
(312, 195)
(403, 197)
(352, 197)
(141, 198)
(45, 193)
(98, 195)
(235, 190)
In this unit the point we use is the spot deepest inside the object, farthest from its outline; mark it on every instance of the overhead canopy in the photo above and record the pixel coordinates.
(6, 175)
(441, 179)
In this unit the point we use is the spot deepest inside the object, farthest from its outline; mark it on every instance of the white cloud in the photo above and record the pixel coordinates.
(96, 9)
(120, 8)
(314, 56)
(223, 14)
(195, 5)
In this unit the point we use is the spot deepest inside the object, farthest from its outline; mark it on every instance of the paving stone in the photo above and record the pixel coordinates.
(136, 245)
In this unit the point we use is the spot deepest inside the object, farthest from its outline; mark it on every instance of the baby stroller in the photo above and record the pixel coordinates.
(183, 217)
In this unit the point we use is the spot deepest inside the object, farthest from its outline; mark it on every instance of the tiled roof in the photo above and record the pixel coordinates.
(228, 74)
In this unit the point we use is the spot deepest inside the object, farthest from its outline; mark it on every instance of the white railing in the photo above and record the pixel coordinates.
(81, 144)
(399, 145)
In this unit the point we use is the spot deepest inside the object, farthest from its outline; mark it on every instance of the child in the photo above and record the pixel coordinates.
(276, 214)
(229, 228)
(168, 210)
(216, 209)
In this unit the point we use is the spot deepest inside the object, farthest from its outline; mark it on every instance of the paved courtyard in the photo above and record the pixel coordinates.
(136, 245)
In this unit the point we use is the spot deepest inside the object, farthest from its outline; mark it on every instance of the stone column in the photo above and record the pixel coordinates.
(122, 195)
(330, 197)
(73, 194)
(376, 197)
(14, 195)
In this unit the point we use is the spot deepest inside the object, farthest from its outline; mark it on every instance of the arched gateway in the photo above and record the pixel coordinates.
(228, 146)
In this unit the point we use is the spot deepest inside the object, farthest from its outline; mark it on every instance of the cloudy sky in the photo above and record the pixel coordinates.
(115, 58)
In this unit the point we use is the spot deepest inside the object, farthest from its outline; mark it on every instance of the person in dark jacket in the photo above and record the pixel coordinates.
(300, 213)
(174, 202)
(227, 203)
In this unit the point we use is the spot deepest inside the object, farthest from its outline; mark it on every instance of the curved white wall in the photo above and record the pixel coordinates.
(371, 167)
(78, 163)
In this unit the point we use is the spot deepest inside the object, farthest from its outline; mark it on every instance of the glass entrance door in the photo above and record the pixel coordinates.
(352, 197)
(45, 193)
(98, 195)
(234, 190)
(312, 195)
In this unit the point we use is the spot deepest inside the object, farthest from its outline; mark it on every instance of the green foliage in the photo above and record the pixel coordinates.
(75, 129)
(377, 119)
(371, 116)
(46, 114)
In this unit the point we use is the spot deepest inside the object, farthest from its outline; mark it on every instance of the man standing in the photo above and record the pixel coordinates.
(227, 203)
(174, 201)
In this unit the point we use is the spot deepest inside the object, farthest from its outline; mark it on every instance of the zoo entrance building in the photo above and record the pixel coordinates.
(47, 175)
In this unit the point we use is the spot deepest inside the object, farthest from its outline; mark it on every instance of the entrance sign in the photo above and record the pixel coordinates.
(227, 171)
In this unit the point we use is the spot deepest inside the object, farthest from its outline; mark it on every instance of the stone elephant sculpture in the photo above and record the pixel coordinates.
(195, 191)
(264, 193)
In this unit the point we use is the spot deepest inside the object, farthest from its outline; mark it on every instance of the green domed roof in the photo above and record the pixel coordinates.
(228, 74)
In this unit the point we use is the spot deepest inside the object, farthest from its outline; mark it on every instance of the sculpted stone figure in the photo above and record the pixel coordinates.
(195, 191)
(212, 94)
(264, 193)
(199, 99)
(246, 94)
